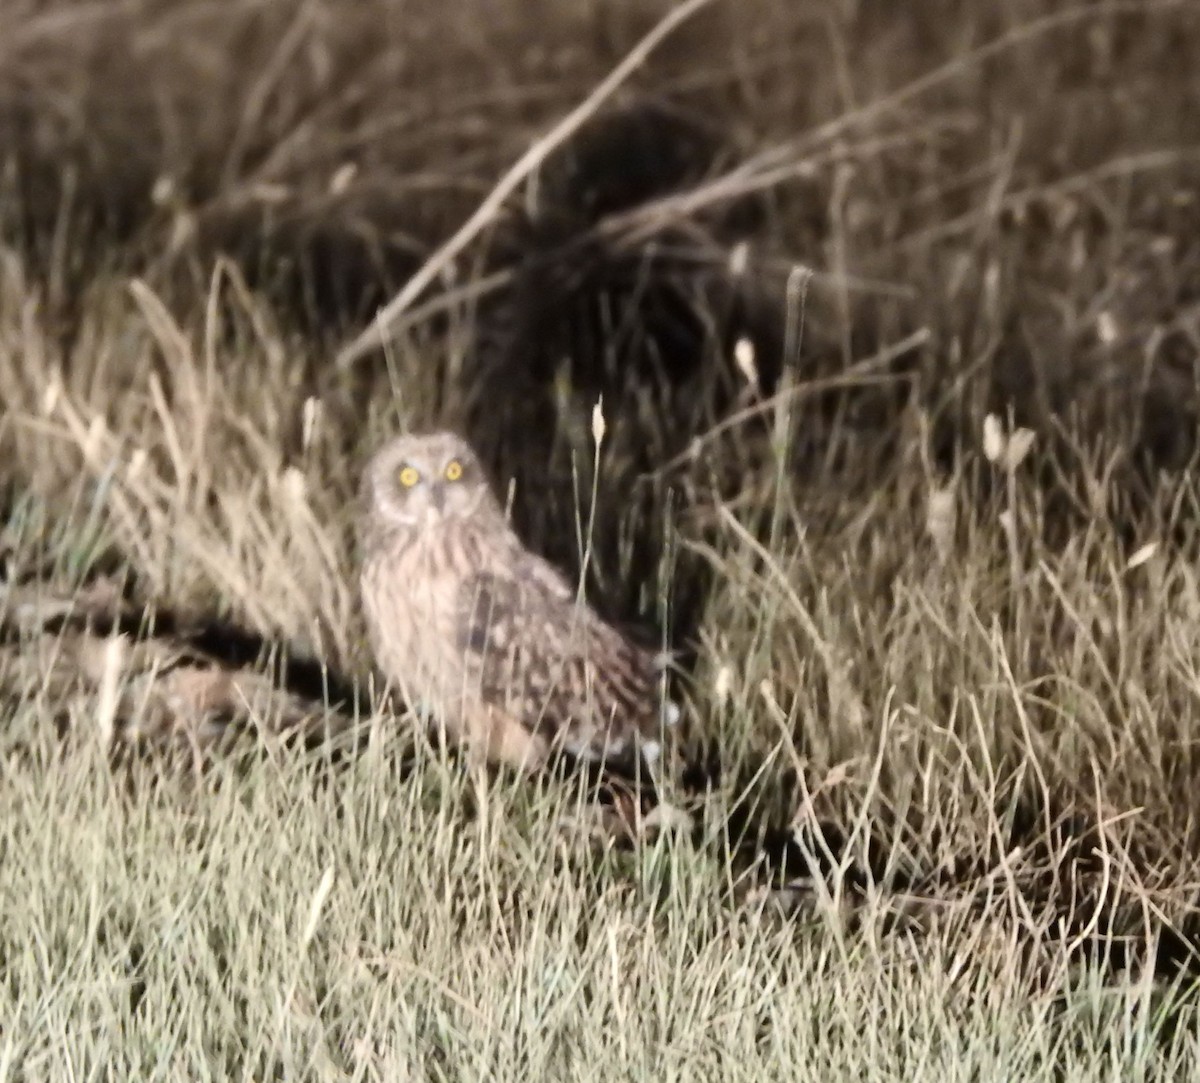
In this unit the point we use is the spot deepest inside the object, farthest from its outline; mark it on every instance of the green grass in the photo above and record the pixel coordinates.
(993, 706)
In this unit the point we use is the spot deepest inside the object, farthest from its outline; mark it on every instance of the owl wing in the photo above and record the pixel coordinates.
(550, 662)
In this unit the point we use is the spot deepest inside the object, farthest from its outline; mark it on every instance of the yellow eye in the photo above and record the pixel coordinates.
(453, 470)
(408, 477)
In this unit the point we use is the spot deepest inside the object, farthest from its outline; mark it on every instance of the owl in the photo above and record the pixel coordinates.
(487, 636)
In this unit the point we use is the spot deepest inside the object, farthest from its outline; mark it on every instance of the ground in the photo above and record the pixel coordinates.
(946, 627)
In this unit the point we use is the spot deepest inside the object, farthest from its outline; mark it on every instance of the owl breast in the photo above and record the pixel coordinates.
(409, 591)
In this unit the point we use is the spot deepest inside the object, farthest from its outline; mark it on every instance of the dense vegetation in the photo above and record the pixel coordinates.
(892, 314)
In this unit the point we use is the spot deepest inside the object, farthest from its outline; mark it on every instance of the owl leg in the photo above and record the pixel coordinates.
(423, 710)
(504, 739)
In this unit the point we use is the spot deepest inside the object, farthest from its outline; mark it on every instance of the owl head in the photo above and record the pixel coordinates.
(421, 481)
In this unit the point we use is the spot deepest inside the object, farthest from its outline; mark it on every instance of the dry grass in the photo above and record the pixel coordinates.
(962, 679)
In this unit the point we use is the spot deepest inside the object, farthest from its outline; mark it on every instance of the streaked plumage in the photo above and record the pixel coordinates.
(464, 620)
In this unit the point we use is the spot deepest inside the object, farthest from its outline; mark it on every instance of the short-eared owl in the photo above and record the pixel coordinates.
(464, 620)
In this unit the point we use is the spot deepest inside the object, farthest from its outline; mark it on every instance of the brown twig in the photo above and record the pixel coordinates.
(380, 330)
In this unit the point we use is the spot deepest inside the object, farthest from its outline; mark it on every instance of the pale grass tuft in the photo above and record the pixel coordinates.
(137, 463)
(743, 356)
(342, 178)
(1142, 555)
(164, 190)
(295, 486)
(94, 440)
(598, 422)
(183, 231)
(739, 259)
(116, 648)
(941, 515)
(723, 684)
(993, 438)
(1008, 450)
(51, 394)
(1019, 444)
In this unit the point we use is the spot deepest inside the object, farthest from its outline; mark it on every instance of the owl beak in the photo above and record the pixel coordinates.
(438, 496)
